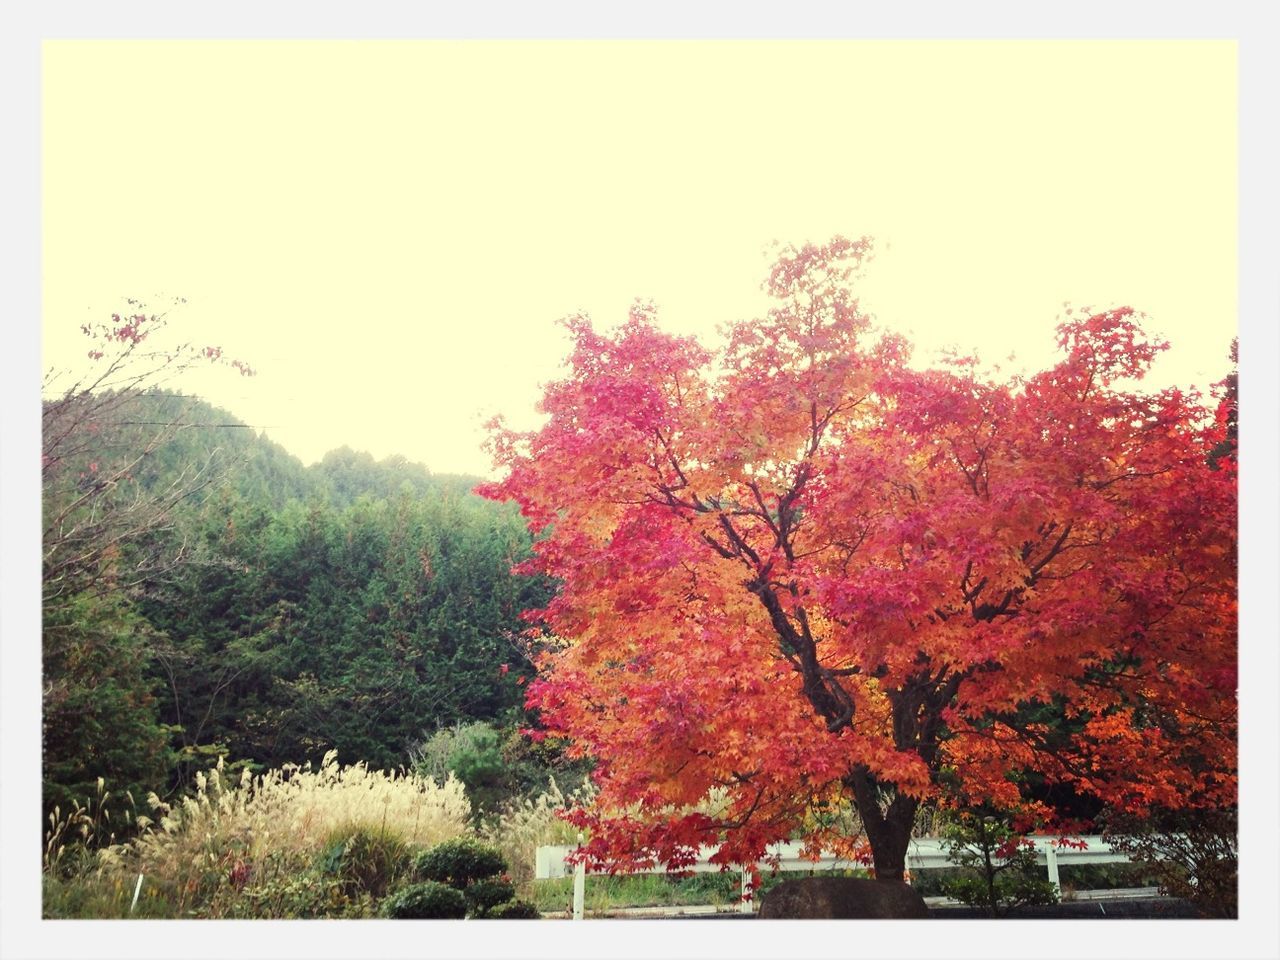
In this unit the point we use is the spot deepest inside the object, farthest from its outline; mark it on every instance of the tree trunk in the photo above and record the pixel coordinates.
(889, 843)
(889, 829)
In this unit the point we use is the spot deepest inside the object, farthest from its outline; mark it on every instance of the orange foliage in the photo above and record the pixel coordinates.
(800, 568)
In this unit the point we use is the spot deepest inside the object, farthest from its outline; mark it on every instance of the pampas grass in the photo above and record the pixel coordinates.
(212, 850)
(524, 825)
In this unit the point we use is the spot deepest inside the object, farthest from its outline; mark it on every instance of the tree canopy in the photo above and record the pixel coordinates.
(207, 595)
(803, 572)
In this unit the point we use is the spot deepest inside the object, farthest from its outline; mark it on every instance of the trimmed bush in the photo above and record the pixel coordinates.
(483, 895)
(425, 901)
(514, 910)
(459, 862)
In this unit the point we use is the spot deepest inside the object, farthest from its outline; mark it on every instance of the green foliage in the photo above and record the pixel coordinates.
(514, 910)
(932, 881)
(604, 893)
(100, 718)
(300, 896)
(718, 888)
(353, 628)
(474, 753)
(483, 895)
(263, 613)
(499, 766)
(365, 860)
(998, 868)
(86, 895)
(466, 868)
(425, 901)
(459, 862)
(346, 475)
(75, 834)
(481, 769)
(1106, 876)
(1192, 853)
(229, 454)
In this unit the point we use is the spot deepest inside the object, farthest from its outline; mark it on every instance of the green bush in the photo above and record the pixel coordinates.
(933, 881)
(498, 765)
(304, 896)
(477, 762)
(999, 868)
(459, 862)
(425, 901)
(483, 895)
(514, 910)
(364, 860)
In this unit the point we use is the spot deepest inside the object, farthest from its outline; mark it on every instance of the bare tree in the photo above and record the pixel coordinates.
(98, 431)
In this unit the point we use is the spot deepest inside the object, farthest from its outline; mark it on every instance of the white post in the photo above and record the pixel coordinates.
(579, 884)
(744, 905)
(1051, 859)
(136, 890)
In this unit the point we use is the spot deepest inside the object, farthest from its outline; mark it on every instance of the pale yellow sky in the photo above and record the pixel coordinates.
(389, 231)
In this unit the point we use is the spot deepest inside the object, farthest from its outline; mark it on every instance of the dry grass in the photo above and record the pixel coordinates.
(256, 846)
(208, 853)
(524, 825)
(75, 833)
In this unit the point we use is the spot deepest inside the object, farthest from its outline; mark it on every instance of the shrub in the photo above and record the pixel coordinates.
(498, 765)
(933, 881)
(483, 895)
(471, 752)
(304, 896)
(514, 910)
(999, 869)
(1107, 876)
(365, 860)
(1191, 852)
(425, 901)
(459, 862)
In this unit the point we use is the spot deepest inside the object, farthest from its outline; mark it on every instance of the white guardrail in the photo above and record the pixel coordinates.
(923, 853)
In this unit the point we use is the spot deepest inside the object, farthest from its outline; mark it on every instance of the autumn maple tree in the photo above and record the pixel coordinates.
(800, 574)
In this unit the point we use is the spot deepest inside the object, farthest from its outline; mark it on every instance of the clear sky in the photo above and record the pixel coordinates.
(389, 231)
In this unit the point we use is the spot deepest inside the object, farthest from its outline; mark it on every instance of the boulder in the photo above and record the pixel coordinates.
(842, 898)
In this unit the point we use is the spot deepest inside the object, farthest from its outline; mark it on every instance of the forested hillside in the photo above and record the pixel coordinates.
(257, 609)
